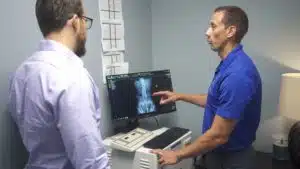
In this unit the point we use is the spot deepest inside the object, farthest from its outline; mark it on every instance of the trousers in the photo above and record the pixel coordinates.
(244, 159)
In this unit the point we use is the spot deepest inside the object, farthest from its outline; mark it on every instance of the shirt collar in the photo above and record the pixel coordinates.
(51, 45)
(229, 59)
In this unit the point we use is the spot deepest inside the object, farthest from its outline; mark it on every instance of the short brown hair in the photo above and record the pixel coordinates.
(236, 16)
(52, 15)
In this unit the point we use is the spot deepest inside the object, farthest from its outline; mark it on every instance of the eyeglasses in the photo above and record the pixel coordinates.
(88, 21)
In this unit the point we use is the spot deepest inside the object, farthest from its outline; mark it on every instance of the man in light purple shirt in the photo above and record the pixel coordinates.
(53, 99)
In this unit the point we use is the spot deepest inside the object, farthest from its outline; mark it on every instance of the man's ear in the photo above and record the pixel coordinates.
(74, 22)
(231, 31)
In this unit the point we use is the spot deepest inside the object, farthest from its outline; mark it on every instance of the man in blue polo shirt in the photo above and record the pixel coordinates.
(232, 104)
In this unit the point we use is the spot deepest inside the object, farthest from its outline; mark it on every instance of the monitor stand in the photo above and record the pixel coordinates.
(129, 125)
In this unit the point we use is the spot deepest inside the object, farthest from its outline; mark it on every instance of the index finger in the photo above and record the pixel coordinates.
(159, 93)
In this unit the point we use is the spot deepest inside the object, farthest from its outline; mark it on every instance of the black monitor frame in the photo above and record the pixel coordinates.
(134, 75)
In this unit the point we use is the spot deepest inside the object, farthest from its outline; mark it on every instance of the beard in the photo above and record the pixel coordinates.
(217, 48)
(80, 49)
(214, 48)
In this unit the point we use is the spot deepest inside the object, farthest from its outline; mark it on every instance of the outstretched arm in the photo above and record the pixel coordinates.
(167, 97)
(197, 99)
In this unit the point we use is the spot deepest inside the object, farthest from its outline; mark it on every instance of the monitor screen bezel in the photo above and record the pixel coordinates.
(140, 116)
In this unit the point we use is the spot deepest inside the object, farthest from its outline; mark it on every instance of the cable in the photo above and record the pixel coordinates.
(195, 162)
(156, 120)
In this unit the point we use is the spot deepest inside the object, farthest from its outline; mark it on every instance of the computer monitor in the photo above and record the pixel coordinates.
(131, 97)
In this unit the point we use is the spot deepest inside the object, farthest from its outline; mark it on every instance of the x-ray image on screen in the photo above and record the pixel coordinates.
(145, 103)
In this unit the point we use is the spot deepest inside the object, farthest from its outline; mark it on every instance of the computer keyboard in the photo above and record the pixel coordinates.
(166, 138)
(132, 140)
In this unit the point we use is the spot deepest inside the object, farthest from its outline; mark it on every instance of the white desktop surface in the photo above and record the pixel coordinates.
(127, 160)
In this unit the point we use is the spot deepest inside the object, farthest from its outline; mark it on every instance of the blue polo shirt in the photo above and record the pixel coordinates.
(235, 93)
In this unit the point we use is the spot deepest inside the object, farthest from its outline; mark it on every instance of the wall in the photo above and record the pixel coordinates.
(19, 38)
(138, 34)
(165, 34)
(178, 43)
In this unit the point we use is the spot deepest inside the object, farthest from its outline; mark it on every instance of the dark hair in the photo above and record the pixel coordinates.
(294, 144)
(52, 15)
(234, 15)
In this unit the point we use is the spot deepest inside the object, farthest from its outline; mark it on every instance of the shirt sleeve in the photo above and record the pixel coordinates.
(235, 93)
(79, 130)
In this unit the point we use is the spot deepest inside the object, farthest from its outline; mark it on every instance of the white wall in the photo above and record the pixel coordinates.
(19, 38)
(178, 42)
(162, 34)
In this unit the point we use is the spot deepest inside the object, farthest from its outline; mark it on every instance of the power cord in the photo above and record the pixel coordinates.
(156, 121)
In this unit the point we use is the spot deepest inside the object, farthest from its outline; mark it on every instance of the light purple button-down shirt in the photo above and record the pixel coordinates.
(55, 104)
